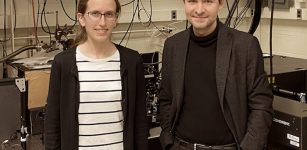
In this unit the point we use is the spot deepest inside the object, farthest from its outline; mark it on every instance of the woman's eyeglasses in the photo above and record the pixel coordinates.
(109, 16)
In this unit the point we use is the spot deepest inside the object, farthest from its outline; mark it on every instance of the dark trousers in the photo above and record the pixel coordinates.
(180, 144)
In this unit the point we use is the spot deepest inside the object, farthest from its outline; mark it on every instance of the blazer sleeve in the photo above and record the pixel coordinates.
(52, 138)
(165, 100)
(260, 100)
(141, 125)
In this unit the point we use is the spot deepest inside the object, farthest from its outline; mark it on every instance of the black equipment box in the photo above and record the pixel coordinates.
(12, 104)
(283, 64)
(292, 81)
(289, 128)
(289, 76)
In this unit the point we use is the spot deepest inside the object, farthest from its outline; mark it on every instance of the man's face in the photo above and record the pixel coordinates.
(202, 15)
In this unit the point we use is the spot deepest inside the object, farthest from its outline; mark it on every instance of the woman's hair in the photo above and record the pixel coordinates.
(81, 36)
(220, 1)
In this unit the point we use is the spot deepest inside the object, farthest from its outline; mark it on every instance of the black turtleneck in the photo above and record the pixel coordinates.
(201, 120)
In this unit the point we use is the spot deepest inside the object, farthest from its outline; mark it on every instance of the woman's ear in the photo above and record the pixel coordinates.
(81, 19)
(116, 24)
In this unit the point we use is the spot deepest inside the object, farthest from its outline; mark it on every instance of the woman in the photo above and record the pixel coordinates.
(96, 94)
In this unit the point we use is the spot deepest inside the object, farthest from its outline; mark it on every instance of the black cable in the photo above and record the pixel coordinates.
(232, 10)
(4, 25)
(271, 44)
(76, 21)
(67, 13)
(128, 3)
(256, 18)
(227, 6)
(237, 11)
(5, 40)
(37, 19)
(138, 9)
(237, 14)
(49, 32)
(150, 18)
(131, 22)
(20, 50)
(148, 15)
(150, 4)
(160, 30)
(15, 20)
(43, 13)
(129, 29)
(129, 35)
(241, 15)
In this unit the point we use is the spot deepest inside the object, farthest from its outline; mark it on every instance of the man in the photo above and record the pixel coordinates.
(214, 91)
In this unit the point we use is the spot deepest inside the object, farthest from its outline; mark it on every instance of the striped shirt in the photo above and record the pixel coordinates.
(100, 111)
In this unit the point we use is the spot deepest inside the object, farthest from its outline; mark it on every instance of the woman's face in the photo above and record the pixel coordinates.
(99, 19)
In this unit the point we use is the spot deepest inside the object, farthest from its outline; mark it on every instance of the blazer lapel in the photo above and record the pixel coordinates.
(181, 50)
(224, 45)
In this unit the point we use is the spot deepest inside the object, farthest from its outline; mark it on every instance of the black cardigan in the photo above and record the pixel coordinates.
(61, 122)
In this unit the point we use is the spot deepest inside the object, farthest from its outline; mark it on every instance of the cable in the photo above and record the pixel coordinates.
(67, 14)
(5, 39)
(271, 44)
(34, 23)
(76, 10)
(42, 26)
(37, 18)
(256, 18)
(128, 3)
(241, 15)
(227, 4)
(148, 15)
(130, 25)
(43, 13)
(138, 8)
(76, 21)
(4, 28)
(15, 18)
(129, 35)
(20, 50)
(231, 12)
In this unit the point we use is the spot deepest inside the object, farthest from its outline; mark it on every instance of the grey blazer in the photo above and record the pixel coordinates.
(243, 89)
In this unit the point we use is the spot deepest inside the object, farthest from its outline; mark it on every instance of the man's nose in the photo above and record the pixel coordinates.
(200, 8)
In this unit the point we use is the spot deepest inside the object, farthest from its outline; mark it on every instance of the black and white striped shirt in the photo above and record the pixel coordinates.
(100, 111)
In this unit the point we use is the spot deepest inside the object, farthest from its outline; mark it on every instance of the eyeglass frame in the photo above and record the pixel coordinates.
(105, 14)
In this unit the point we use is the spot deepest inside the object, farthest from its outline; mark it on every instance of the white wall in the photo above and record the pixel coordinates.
(289, 37)
(161, 11)
(289, 32)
